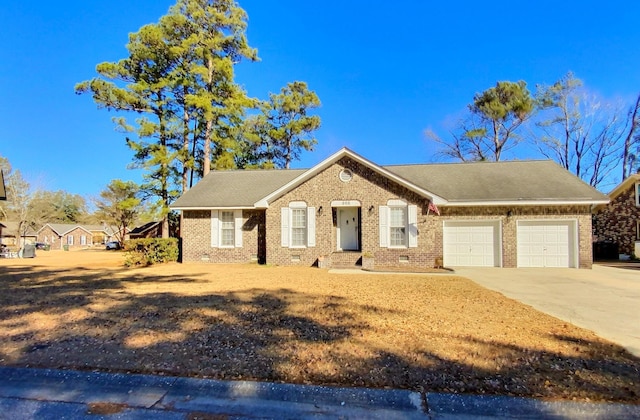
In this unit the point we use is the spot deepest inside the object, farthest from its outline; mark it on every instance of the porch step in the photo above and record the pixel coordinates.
(346, 259)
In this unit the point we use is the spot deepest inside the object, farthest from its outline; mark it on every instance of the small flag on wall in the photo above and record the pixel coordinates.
(434, 208)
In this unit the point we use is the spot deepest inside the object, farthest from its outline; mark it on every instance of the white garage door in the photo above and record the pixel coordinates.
(546, 243)
(471, 244)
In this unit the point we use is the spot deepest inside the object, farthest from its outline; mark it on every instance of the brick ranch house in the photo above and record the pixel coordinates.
(618, 222)
(74, 235)
(347, 209)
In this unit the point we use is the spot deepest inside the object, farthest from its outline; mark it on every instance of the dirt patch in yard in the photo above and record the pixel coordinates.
(83, 310)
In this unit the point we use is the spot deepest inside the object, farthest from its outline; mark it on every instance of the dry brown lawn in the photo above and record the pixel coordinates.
(84, 310)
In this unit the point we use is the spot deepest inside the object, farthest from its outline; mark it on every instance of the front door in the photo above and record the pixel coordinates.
(348, 229)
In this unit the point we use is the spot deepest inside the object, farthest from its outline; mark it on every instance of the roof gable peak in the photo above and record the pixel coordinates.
(342, 153)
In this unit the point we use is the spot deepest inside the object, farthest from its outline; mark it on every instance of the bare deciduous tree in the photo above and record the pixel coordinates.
(579, 131)
(629, 159)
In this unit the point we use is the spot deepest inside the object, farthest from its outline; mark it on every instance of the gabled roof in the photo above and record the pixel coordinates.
(503, 183)
(622, 187)
(64, 228)
(344, 152)
(450, 184)
(11, 229)
(109, 230)
(234, 189)
(138, 230)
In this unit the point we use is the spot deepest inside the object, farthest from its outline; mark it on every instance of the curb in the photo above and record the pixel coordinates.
(27, 393)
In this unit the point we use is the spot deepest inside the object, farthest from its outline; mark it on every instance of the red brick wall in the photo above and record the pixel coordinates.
(196, 238)
(77, 233)
(582, 214)
(370, 189)
(60, 241)
(617, 222)
(47, 235)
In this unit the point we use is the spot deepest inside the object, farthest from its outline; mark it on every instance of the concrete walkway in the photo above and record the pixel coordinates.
(604, 300)
(57, 394)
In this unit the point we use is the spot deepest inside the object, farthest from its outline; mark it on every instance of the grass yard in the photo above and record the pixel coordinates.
(84, 310)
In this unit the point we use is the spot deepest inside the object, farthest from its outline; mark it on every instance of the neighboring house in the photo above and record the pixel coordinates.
(498, 214)
(59, 235)
(618, 222)
(101, 234)
(12, 238)
(148, 230)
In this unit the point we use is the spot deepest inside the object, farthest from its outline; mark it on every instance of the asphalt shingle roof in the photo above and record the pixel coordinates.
(499, 181)
(457, 183)
(237, 188)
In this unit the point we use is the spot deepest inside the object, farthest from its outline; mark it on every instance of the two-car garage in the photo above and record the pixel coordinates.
(539, 243)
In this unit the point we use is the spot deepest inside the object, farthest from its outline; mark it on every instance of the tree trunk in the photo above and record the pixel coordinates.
(626, 171)
(185, 145)
(206, 162)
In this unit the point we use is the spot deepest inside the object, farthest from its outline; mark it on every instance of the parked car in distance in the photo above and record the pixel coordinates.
(40, 245)
(113, 245)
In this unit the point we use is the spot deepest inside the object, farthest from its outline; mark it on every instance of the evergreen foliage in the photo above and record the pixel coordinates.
(178, 78)
(150, 251)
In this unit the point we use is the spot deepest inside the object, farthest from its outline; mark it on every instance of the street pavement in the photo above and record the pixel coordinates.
(604, 300)
(65, 394)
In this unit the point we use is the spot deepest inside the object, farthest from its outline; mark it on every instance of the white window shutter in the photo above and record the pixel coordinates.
(412, 216)
(384, 226)
(215, 229)
(284, 226)
(237, 216)
(311, 226)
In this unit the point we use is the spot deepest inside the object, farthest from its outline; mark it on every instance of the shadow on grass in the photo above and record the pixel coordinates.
(91, 319)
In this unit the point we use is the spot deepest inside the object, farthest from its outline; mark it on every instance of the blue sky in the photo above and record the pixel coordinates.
(384, 71)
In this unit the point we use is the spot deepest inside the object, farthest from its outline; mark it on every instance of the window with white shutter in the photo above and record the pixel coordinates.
(226, 228)
(298, 225)
(398, 225)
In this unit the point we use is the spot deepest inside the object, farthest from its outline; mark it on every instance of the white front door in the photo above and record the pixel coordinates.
(348, 228)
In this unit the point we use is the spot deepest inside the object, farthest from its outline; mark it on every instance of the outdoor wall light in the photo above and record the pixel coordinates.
(371, 209)
(319, 210)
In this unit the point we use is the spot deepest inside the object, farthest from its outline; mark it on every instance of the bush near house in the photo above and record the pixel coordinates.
(150, 251)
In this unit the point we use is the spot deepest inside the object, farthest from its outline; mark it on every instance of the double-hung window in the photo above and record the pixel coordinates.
(227, 229)
(69, 239)
(298, 225)
(397, 226)
(638, 194)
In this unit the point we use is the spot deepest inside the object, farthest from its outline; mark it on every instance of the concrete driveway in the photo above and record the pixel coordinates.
(604, 300)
